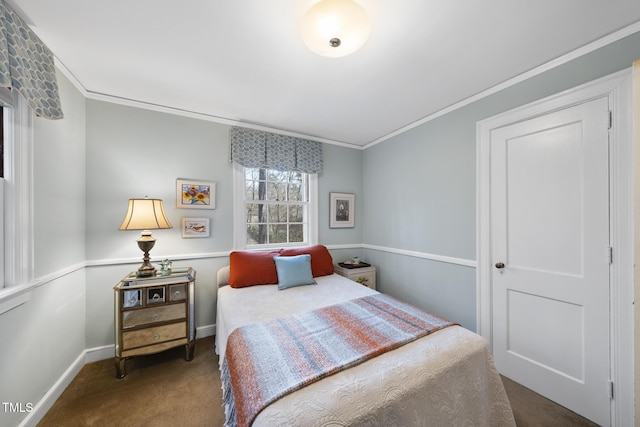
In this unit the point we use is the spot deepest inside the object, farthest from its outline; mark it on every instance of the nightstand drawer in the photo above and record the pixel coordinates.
(154, 314)
(178, 292)
(153, 335)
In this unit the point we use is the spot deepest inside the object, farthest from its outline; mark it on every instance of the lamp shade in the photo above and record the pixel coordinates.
(335, 28)
(145, 214)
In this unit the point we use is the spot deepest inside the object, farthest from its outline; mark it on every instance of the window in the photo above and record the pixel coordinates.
(2, 141)
(16, 261)
(4, 118)
(278, 208)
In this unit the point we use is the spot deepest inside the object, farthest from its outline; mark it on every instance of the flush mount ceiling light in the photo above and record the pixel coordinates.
(335, 28)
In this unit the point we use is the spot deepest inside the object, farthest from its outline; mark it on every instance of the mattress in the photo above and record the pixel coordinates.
(447, 378)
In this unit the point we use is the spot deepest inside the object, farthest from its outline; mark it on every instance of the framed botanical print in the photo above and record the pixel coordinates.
(195, 194)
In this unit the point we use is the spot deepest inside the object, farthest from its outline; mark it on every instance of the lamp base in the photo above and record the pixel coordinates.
(146, 271)
(145, 243)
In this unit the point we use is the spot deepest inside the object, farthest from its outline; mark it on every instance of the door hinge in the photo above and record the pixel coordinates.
(610, 386)
(609, 254)
(609, 119)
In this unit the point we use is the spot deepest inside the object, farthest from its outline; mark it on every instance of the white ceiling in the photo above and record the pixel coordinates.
(244, 61)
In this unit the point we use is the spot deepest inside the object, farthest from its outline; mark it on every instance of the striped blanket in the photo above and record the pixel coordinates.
(266, 361)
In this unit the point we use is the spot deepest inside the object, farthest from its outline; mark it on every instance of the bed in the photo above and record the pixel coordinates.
(446, 378)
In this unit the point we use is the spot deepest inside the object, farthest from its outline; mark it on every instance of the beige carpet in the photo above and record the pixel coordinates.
(532, 410)
(159, 390)
(164, 390)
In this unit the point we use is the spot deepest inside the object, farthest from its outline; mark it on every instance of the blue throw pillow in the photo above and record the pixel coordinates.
(294, 271)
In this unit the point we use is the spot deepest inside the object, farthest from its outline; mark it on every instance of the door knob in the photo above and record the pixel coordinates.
(500, 265)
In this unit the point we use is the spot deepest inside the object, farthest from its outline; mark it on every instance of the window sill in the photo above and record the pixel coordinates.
(15, 296)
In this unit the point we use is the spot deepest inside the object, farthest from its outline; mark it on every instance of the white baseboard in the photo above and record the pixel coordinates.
(47, 401)
(206, 331)
(99, 353)
(106, 352)
(87, 356)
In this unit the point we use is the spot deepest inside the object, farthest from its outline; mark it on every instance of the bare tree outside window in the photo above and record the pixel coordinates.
(276, 204)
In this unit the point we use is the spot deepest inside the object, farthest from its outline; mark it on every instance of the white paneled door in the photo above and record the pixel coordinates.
(550, 249)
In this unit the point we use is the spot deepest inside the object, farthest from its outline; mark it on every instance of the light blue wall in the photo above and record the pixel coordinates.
(86, 168)
(420, 187)
(342, 174)
(415, 192)
(43, 337)
(133, 152)
(59, 186)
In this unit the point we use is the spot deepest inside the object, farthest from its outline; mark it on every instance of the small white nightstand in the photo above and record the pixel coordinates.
(364, 275)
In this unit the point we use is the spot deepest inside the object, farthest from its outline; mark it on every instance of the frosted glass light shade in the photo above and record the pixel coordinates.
(335, 28)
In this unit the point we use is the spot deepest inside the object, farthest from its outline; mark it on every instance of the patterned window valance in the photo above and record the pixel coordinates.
(26, 64)
(257, 149)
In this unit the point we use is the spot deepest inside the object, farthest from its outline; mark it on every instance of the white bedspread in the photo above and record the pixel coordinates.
(445, 379)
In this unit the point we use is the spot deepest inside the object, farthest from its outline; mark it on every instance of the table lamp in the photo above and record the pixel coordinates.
(146, 215)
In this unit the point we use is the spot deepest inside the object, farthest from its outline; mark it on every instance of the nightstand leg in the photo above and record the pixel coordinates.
(120, 366)
(189, 349)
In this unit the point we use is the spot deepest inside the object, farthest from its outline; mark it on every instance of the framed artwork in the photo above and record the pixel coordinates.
(342, 210)
(194, 194)
(195, 227)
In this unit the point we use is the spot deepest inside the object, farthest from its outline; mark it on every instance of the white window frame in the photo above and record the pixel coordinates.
(18, 222)
(239, 217)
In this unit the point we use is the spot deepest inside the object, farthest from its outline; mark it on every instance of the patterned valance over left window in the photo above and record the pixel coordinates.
(257, 149)
(26, 64)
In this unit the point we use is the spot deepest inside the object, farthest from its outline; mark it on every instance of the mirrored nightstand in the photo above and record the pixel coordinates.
(153, 314)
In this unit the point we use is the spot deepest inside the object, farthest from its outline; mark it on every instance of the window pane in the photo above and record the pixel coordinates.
(252, 190)
(256, 212)
(295, 193)
(295, 213)
(256, 234)
(277, 176)
(276, 192)
(278, 234)
(270, 217)
(296, 233)
(277, 213)
(251, 173)
(296, 177)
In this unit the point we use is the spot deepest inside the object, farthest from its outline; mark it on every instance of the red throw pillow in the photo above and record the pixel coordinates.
(252, 268)
(321, 261)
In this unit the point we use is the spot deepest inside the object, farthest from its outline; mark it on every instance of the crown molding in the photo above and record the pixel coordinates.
(584, 50)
